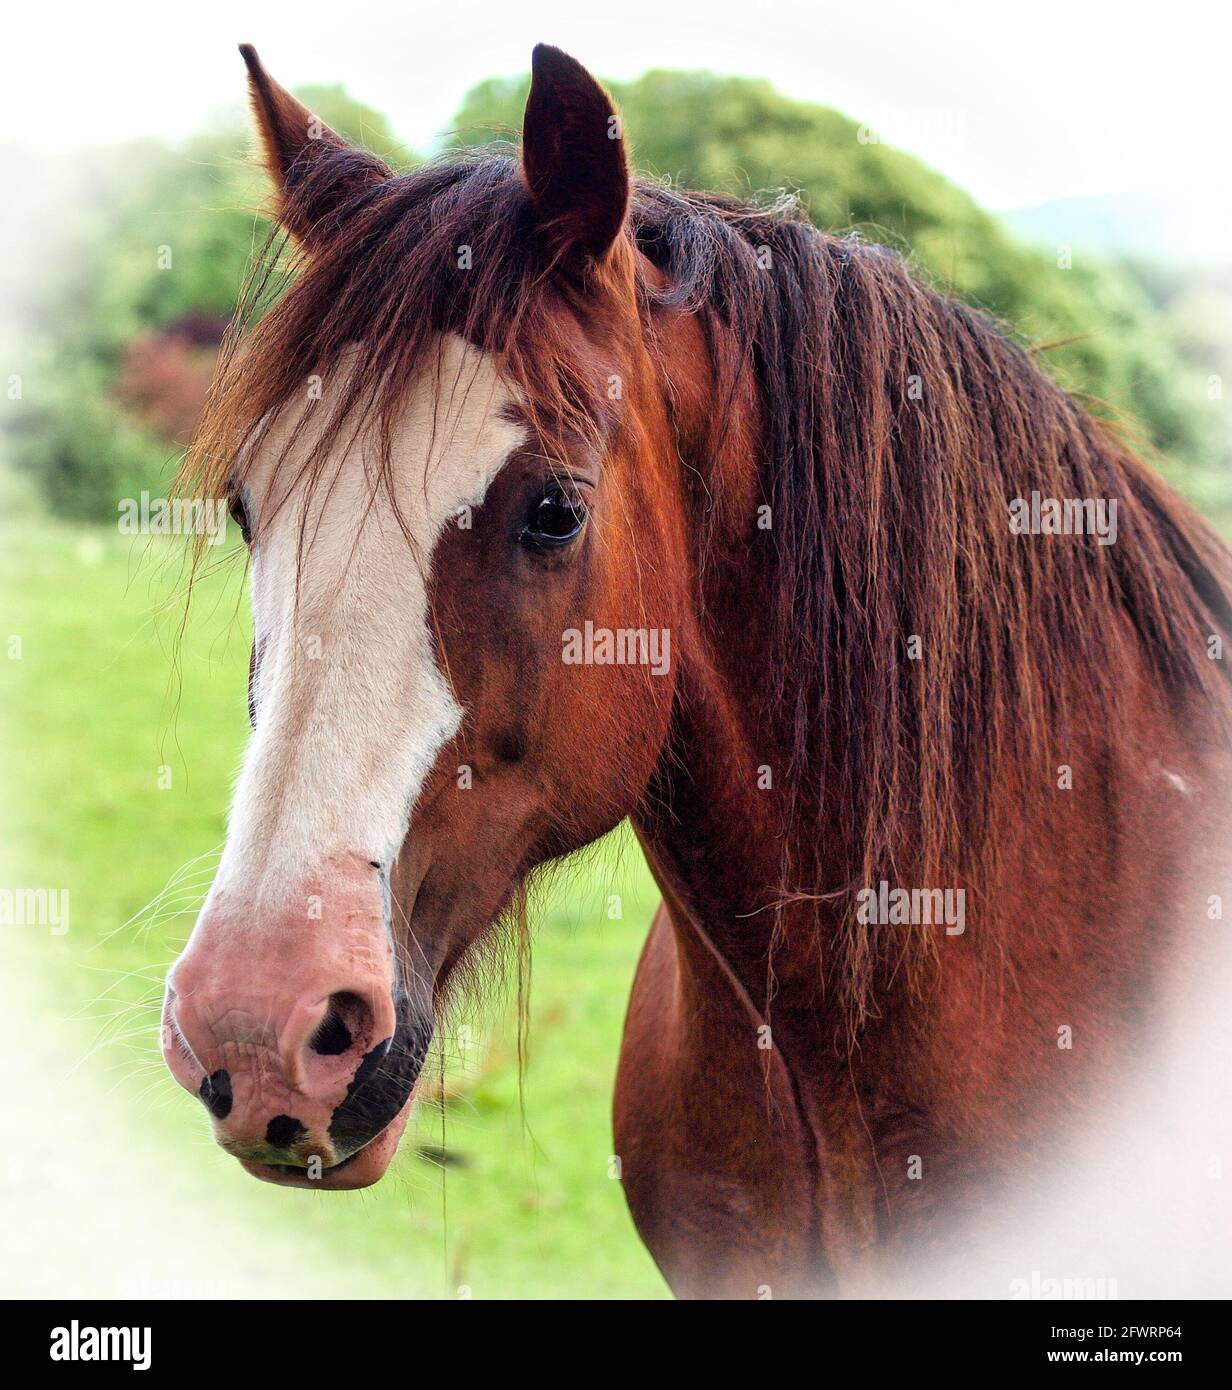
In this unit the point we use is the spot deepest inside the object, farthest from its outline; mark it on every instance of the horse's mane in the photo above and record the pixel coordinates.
(898, 425)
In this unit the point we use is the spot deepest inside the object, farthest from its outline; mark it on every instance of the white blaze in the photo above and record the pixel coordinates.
(352, 707)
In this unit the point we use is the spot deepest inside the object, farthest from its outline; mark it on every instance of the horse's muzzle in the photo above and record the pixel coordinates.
(297, 1035)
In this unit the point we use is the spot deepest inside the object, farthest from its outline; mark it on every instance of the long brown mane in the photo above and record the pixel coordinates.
(898, 425)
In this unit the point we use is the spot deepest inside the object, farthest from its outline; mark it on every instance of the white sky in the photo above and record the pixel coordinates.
(1048, 100)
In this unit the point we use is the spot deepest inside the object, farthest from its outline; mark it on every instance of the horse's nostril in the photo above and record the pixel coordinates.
(216, 1093)
(335, 1033)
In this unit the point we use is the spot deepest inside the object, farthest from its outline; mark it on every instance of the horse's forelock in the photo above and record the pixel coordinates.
(447, 249)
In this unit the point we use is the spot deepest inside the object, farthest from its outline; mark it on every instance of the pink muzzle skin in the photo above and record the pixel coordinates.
(286, 1028)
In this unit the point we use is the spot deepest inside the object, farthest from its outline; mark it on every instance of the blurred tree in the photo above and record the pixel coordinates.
(148, 238)
(361, 124)
(740, 135)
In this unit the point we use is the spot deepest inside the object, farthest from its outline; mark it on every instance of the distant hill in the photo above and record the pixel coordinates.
(1185, 227)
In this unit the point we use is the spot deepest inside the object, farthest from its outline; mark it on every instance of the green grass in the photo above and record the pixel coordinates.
(103, 706)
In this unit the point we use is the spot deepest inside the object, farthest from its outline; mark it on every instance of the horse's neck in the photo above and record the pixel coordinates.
(713, 821)
(715, 828)
(727, 818)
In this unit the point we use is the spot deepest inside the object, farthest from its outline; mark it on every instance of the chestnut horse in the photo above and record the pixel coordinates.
(572, 498)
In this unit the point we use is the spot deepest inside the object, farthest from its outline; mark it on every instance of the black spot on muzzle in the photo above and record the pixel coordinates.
(283, 1131)
(215, 1091)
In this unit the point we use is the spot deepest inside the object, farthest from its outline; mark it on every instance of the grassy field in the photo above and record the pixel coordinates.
(121, 742)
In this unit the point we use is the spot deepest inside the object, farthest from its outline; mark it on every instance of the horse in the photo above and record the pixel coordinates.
(574, 498)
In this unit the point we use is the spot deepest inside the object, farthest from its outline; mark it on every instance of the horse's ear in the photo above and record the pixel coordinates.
(573, 156)
(314, 170)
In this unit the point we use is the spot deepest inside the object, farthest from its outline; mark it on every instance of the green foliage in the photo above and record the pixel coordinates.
(361, 124)
(739, 135)
(150, 234)
(147, 236)
(1195, 307)
(84, 452)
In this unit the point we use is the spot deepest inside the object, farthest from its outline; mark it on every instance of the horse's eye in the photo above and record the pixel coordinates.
(240, 516)
(556, 518)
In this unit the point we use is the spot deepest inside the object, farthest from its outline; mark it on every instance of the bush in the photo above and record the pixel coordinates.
(151, 238)
(83, 451)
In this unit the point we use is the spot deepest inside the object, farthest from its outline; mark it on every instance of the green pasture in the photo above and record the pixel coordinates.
(122, 736)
